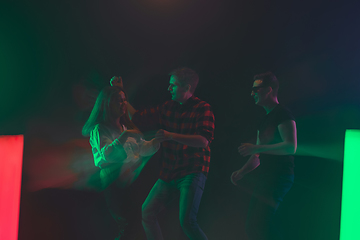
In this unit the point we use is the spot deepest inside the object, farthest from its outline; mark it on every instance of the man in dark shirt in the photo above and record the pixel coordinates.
(186, 126)
(270, 162)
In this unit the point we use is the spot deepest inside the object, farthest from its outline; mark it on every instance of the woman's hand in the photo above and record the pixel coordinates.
(130, 133)
(116, 81)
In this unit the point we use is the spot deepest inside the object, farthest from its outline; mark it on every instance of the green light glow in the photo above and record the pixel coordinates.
(350, 207)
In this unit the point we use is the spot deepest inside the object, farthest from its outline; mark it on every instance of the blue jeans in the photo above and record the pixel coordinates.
(190, 188)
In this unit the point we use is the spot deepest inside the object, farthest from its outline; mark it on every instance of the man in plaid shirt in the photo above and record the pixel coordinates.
(186, 130)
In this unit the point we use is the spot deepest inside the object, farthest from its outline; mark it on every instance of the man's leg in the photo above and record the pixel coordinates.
(191, 189)
(160, 194)
(260, 222)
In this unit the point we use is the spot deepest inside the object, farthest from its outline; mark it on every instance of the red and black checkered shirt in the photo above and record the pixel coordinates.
(194, 117)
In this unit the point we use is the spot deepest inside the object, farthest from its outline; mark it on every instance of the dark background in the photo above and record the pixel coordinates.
(55, 56)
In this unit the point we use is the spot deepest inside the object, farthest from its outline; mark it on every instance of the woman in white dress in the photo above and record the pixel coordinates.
(118, 148)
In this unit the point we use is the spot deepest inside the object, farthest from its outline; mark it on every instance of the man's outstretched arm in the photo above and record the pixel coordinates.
(190, 140)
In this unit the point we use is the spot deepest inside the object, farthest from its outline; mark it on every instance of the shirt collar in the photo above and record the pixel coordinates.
(189, 102)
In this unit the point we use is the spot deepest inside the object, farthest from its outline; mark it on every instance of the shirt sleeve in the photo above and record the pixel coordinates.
(205, 123)
(284, 115)
(147, 119)
(104, 149)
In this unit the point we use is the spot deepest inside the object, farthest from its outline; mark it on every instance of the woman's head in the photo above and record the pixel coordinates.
(117, 104)
(110, 105)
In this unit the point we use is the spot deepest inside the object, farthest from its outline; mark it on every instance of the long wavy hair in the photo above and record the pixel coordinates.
(101, 112)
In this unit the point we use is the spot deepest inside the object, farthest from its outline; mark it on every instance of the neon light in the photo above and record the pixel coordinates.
(350, 207)
(11, 153)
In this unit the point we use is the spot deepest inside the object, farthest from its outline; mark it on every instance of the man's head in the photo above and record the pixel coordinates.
(265, 87)
(182, 84)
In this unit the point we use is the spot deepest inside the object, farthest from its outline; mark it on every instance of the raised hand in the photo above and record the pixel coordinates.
(116, 81)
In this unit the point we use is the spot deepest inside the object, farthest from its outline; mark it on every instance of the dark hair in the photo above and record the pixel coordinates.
(101, 111)
(268, 80)
(186, 76)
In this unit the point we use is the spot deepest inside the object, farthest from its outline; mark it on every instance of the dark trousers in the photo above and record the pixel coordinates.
(118, 202)
(190, 188)
(267, 195)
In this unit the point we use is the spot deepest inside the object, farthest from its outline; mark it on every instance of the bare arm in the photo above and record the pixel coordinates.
(251, 164)
(105, 150)
(131, 110)
(117, 81)
(149, 148)
(190, 140)
(288, 145)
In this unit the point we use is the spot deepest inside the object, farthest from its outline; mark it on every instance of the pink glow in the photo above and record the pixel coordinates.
(11, 152)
